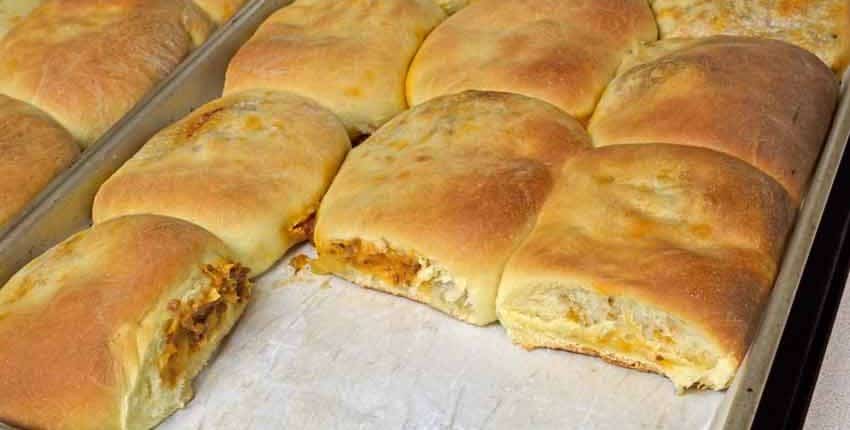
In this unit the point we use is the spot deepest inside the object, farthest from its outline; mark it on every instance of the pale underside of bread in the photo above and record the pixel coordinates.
(619, 330)
(380, 266)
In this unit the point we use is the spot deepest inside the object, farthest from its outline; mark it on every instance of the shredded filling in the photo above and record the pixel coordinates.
(304, 228)
(388, 265)
(194, 319)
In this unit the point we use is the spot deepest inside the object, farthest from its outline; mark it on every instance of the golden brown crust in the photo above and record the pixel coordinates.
(688, 231)
(220, 10)
(61, 365)
(350, 56)
(820, 26)
(250, 167)
(452, 6)
(457, 180)
(560, 51)
(87, 64)
(13, 11)
(766, 102)
(34, 150)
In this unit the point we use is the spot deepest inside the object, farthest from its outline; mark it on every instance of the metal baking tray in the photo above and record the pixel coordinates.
(316, 352)
(64, 206)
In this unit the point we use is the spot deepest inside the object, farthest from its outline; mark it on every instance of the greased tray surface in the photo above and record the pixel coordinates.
(318, 352)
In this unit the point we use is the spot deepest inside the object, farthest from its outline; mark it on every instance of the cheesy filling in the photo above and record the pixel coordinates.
(397, 272)
(304, 228)
(196, 318)
(620, 326)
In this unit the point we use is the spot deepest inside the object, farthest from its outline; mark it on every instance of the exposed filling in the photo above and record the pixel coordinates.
(196, 318)
(299, 261)
(388, 265)
(620, 326)
(304, 228)
(402, 273)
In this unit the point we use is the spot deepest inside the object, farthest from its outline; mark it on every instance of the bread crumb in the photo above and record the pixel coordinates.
(299, 261)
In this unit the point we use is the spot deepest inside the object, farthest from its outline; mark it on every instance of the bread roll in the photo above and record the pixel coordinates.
(820, 26)
(452, 6)
(656, 257)
(560, 51)
(351, 56)
(250, 167)
(107, 329)
(766, 102)
(431, 206)
(87, 62)
(35, 149)
(220, 10)
(12, 11)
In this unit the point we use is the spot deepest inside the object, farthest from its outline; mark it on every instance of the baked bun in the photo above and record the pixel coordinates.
(819, 26)
(452, 6)
(87, 64)
(220, 10)
(35, 149)
(431, 206)
(350, 56)
(250, 167)
(560, 51)
(12, 11)
(764, 101)
(656, 257)
(107, 329)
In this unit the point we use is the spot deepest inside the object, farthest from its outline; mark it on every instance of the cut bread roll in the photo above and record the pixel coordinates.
(655, 257)
(107, 329)
(560, 51)
(764, 101)
(87, 62)
(431, 206)
(35, 149)
(13, 11)
(819, 26)
(350, 56)
(250, 167)
(220, 10)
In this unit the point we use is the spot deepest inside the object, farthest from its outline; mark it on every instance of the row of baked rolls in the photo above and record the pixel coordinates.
(107, 329)
(79, 66)
(155, 294)
(431, 206)
(563, 52)
(349, 56)
(661, 257)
